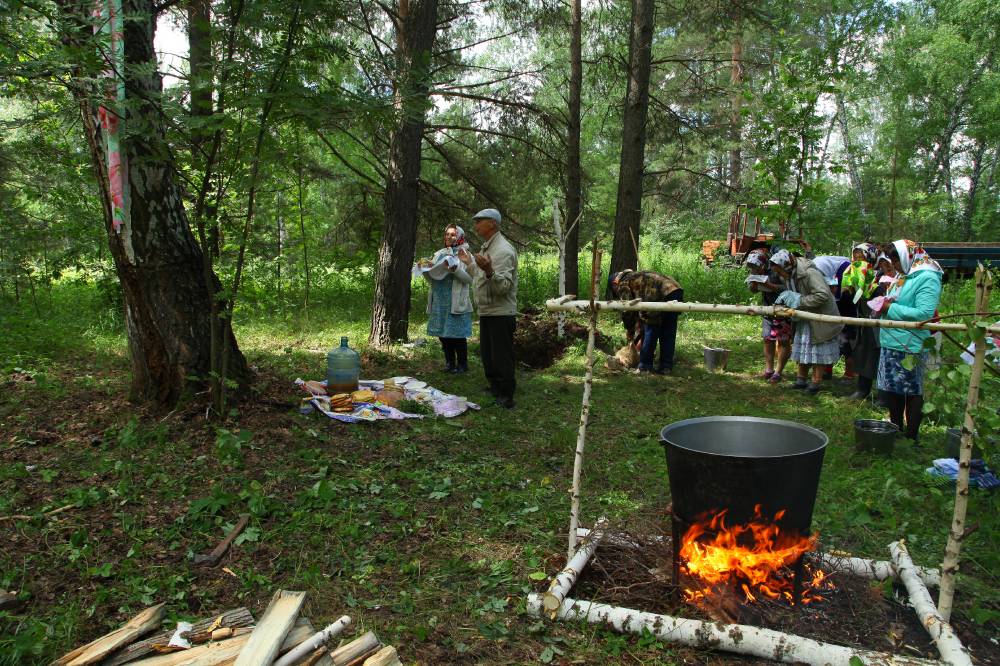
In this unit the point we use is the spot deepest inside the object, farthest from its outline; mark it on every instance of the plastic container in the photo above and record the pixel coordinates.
(953, 443)
(715, 359)
(875, 436)
(343, 368)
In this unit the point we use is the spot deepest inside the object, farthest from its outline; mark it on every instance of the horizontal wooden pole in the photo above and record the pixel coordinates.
(557, 305)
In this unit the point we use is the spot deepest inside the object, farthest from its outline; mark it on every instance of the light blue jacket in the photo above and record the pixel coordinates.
(916, 300)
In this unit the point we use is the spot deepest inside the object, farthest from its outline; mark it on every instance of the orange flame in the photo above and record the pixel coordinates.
(754, 558)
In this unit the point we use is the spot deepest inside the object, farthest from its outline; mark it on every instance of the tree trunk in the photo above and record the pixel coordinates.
(574, 170)
(852, 159)
(159, 265)
(415, 26)
(970, 205)
(735, 110)
(624, 250)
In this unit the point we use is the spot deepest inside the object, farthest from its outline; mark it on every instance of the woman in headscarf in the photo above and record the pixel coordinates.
(913, 297)
(776, 333)
(449, 306)
(860, 284)
(816, 344)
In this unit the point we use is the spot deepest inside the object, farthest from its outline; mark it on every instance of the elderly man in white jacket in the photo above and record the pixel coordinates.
(494, 287)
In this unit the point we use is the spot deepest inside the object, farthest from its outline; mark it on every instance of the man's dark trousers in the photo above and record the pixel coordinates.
(496, 347)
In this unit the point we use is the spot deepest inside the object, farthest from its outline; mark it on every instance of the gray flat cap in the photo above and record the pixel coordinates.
(488, 214)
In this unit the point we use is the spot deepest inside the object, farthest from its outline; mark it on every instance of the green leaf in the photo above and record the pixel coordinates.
(909, 362)
(547, 655)
(856, 661)
(537, 575)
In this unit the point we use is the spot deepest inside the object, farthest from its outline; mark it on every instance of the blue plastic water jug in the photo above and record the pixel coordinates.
(343, 367)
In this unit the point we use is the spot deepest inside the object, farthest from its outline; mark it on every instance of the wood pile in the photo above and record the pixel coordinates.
(282, 637)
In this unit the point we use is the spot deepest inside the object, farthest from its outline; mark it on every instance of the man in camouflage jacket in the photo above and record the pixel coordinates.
(656, 327)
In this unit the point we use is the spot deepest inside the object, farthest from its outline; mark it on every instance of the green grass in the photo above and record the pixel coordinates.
(427, 532)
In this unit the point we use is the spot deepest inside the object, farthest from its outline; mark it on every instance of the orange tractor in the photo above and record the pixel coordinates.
(739, 241)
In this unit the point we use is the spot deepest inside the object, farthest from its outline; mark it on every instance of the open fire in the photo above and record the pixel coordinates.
(757, 559)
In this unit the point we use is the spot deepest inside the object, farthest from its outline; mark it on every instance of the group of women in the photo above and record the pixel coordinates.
(898, 282)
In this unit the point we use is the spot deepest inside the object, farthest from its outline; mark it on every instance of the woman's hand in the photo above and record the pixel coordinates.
(465, 257)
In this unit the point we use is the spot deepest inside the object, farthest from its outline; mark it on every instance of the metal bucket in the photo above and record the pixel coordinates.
(715, 359)
(738, 462)
(875, 436)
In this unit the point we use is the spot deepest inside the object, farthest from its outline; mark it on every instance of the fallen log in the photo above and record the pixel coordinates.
(96, 650)
(736, 638)
(566, 579)
(948, 644)
(874, 569)
(234, 619)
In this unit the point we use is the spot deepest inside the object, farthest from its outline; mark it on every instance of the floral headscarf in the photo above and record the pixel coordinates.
(782, 259)
(459, 234)
(913, 258)
(757, 258)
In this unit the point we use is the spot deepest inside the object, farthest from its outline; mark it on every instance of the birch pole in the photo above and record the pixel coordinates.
(588, 382)
(949, 568)
(561, 244)
(564, 305)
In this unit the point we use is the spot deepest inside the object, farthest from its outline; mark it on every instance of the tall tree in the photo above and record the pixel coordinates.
(628, 209)
(415, 25)
(736, 105)
(574, 170)
(158, 262)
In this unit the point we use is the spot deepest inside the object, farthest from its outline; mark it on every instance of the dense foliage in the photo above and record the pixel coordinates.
(864, 118)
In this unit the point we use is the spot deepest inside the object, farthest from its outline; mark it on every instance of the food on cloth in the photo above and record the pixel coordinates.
(314, 387)
(363, 395)
(390, 395)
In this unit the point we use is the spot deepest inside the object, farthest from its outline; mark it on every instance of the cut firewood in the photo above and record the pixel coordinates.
(356, 650)
(315, 641)
(9, 601)
(231, 619)
(321, 657)
(224, 653)
(267, 637)
(385, 657)
(211, 559)
(95, 651)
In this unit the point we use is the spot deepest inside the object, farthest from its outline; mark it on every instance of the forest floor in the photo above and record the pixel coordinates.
(429, 532)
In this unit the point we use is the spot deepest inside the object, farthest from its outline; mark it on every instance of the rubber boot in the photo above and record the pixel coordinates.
(449, 354)
(462, 356)
(914, 415)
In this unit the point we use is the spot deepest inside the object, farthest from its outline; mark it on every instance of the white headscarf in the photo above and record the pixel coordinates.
(782, 258)
(757, 258)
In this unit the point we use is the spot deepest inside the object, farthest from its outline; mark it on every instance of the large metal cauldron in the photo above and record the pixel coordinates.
(737, 462)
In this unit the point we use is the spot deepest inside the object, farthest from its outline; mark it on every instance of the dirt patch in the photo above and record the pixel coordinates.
(857, 612)
(537, 344)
